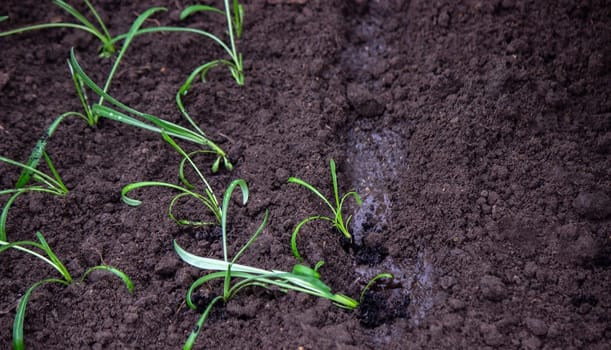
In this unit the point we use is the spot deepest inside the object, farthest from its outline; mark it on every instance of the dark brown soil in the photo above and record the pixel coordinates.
(478, 133)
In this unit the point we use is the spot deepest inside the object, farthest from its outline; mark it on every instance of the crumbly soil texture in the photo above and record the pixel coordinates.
(477, 133)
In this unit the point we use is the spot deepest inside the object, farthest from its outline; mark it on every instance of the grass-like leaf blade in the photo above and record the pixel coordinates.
(113, 270)
(18, 339)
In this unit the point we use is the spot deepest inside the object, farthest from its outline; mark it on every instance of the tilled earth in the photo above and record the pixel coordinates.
(477, 132)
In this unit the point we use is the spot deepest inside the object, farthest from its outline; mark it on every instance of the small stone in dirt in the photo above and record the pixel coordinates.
(593, 205)
(530, 269)
(282, 175)
(584, 248)
(456, 304)
(166, 267)
(491, 335)
(603, 143)
(492, 288)
(4, 78)
(536, 326)
(532, 343)
(131, 317)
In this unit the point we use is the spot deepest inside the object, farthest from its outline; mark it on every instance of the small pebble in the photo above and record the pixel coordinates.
(493, 288)
(491, 335)
(166, 267)
(536, 326)
(593, 205)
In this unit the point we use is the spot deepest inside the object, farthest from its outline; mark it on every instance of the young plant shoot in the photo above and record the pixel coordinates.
(101, 32)
(41, 182)
(336, 218)
(236, 277)
(187, 190)
(139, 119)
(48, 256)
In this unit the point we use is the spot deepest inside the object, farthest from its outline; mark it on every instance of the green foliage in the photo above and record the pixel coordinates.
(139, 119)
(235, 65)
(236, 277)
(41, 182)
(207, 198)
(336, 219)
(234, 17)
(47, 255)
(100, 31)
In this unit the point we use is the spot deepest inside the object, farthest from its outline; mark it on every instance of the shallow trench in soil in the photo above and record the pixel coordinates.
(376, 156)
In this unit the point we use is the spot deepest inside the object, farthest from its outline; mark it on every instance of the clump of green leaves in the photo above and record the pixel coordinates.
(235, 17)
(235, 65)
(100, 31)
(207, 198)
(92, 113)
(336, 218)
(41, 182)
(46, 254)
(236, 277)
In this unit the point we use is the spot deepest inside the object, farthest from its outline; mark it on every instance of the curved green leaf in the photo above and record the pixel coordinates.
(188, 11)
(122, 275)
(18, 340)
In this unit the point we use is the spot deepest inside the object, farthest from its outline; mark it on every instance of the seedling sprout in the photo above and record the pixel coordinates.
(66, 279)
(100, 33)
(186, 190)
(42, 183)
(236, 277)
(336, 219)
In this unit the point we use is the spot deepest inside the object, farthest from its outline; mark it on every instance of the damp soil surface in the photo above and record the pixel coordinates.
(477, 133)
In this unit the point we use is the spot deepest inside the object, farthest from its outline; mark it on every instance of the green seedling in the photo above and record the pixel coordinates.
(139, 119)
(100, 31)
(41, 182)
(336, 219)
(48, 256)
(234, 30)
(186, 190)
(235, 16)
(235, 64)
(236, 277)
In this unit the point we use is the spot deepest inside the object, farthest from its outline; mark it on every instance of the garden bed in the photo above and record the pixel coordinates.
(477, 133)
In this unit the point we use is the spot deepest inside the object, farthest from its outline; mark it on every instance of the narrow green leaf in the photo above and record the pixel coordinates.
(136, 185)
(254, 236)
(200, 323)
(225, 208)
(4, 214)
(128, 39)
(296, 231)
(33, 161)
(18, 339)
(312, 189)
(372, 281)
(53, 25)
(198, 8)
(122, 275)
(99, 19)
(80, 17)
(213, 264)
(56, 262)
(307, 271)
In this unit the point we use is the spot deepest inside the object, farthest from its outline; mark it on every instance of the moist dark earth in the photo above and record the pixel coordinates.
(477, 133)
